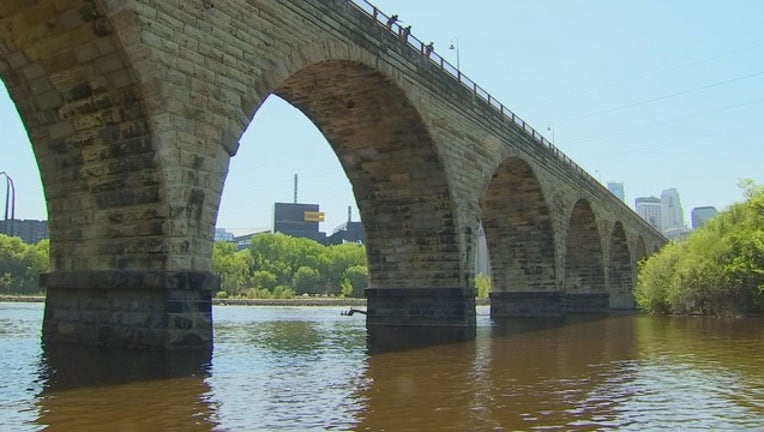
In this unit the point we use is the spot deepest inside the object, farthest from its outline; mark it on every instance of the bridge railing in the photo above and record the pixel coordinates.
(404, 34)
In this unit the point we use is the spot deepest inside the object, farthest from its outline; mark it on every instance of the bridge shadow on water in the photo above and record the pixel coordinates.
(95, 389)
(507, 327)
(67, 366)
(385, 339)
(392, 338)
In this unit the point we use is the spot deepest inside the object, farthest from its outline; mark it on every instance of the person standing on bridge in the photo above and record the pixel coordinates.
(405, 32)
(390, 21)
(428, 49)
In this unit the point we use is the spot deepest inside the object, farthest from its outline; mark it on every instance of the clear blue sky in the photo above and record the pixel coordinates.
(655, 94)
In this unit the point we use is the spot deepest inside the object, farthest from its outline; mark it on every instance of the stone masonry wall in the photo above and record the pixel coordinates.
(134, 109)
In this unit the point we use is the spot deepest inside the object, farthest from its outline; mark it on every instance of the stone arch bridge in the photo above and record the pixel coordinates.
(134, 108)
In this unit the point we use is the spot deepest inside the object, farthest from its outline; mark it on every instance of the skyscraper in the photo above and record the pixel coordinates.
(650, 209)
(671, 210)
(617, 190)
(700, 215)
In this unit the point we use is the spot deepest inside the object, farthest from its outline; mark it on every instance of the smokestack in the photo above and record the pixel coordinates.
(350, 213)
(295, 188)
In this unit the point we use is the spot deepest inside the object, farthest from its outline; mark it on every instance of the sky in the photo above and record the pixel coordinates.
(655, 94)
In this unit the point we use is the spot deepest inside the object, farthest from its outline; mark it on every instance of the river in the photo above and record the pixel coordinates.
(311, 369)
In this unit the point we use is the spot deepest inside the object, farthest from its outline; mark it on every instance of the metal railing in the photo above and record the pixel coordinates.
(404, 34)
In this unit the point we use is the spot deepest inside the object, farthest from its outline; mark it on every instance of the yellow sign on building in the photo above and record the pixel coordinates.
(314, 216)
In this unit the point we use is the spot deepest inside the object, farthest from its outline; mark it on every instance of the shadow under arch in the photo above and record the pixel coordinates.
(584, 283)
(520, 241)
(97, 388)
(640, 251)
(621, 272)
(400, 186)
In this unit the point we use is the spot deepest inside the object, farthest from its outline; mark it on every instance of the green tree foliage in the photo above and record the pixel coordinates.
(340, 258)
(354, 281)
(718, 270)
(483, 285)
(21, 265)
(281, 266)
(232, 267)
(306, 280)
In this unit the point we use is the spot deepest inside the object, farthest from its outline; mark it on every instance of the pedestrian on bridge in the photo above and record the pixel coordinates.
(390, 21)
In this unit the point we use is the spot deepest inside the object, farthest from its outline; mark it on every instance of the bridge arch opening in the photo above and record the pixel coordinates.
(387, 154)
(399, 186)
(584, 265)
(21, 166)
(620, 271)
(518, 230)
(520, 241)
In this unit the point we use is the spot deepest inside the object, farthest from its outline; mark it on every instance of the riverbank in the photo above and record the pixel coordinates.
(297, 301)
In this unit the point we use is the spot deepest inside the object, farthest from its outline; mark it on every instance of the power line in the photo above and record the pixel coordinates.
(663, 97)
(680, 140)
(675, 119)
(638, 77)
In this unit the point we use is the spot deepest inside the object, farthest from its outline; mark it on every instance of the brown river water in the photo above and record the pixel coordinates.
(312, 369)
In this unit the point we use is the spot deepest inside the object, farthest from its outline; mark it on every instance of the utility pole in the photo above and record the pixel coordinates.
(10, 198)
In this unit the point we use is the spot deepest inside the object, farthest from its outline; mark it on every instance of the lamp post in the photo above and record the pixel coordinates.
(455, 46)
(550, 128)
(10, 198)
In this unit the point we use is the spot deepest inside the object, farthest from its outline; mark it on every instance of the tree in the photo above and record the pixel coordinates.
(306, 280)
(339, 259)
(355, 280)
(21, 265)
(718, 270)
(232, 267)
(483, 285)
(264, 279)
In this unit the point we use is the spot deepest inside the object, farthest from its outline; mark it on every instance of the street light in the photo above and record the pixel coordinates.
(550, 128)
(10, 197)
(455, 46)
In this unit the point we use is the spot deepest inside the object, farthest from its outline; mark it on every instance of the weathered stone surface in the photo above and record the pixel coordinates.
(152, 309)
(135, 108)
(529, 304)
(420, 307)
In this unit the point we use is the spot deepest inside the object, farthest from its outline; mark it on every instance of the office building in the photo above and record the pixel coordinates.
(348, 232)
(617, 190)
(701, 215)
(650, 208)
(222, 235)
(29, 230)
(671, 210)
(298, 220)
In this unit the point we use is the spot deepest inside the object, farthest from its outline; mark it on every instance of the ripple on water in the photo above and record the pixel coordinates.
(306, 369)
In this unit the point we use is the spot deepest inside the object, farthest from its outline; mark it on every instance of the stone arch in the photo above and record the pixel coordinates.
(584, 282)
(620, 270)
(640, 251)
(84, 111)
(398, 179)
(518, 229)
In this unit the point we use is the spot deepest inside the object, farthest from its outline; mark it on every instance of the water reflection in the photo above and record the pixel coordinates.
(547, 374)
(92, 389)
(382, 339)
(428, 388)
(310, 369)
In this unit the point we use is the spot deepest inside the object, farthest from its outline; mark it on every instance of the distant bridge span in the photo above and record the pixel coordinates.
(134, 109)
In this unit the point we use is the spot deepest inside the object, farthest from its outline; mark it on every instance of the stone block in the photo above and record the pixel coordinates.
(529, 304)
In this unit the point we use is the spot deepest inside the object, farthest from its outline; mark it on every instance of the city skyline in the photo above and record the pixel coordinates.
(676, 106)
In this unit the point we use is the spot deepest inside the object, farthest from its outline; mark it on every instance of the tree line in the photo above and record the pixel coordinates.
(282, 266)
(21, 265)
(718, 270)
(274, 266)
